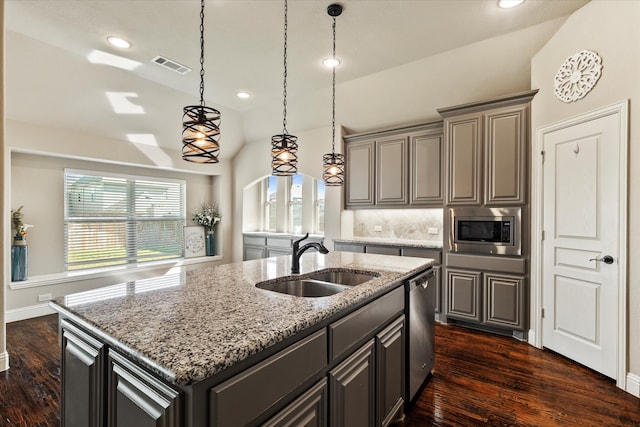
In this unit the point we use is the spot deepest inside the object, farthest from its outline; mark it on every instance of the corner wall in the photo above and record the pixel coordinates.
(610, 28)
(4, 356)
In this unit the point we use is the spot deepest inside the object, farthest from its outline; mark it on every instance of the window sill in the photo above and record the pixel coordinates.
(68, 277)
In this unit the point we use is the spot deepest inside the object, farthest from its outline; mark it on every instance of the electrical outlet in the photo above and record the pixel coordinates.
(432, 230)
(377, 228)
(44, 297)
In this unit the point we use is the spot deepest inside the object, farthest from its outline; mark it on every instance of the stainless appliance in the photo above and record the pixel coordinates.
(486, 230)
(421, 346)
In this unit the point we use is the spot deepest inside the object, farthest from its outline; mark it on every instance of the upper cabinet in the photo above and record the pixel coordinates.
(395, 168)
(486, 145)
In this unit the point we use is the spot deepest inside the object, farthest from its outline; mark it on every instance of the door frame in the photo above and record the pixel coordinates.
(621, 109)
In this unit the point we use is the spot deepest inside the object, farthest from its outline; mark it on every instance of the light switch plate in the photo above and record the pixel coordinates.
(377, 228)
(432, 230)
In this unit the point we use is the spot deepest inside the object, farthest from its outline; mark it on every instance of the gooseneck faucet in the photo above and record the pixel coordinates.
(298, 251)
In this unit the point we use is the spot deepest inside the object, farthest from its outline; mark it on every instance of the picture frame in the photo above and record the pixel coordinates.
(194, 244)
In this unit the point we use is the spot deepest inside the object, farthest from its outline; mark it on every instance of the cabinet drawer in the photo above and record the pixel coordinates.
(348, 332)
(244, 397)
(276, 242)
(383, 250)
(348, 247)
(254, 240)
(423, 253)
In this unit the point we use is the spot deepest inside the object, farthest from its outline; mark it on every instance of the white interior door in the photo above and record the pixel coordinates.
(580, 252)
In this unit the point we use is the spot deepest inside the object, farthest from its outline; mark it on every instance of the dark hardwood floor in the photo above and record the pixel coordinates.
(478, 379)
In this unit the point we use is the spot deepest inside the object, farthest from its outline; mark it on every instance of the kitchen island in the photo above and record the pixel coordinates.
(207, 347)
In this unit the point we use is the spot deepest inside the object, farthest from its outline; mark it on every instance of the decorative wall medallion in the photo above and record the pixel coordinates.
(577, 76)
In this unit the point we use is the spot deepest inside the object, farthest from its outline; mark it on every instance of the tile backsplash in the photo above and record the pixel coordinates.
(409, 224)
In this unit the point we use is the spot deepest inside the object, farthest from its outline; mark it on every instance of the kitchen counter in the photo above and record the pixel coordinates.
(191, 326)
(405, 243)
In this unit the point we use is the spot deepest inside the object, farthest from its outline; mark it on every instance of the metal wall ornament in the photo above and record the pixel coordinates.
(201, 124)
(284, 147)
(333, 163)
(577, 76)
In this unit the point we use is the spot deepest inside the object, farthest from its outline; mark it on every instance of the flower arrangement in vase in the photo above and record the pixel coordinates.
(20, 238)
(208, 217)
(19, 257)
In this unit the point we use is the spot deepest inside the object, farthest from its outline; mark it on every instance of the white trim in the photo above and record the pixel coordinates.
(621, 109)
(23, 313)
(4, 361)
(633, 384)
(531, 337)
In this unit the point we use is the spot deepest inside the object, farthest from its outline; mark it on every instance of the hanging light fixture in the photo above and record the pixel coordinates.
(333, 163)
(201, 124)
(284, 147)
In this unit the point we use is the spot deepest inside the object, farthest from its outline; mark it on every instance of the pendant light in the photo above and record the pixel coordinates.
(201, 124)
(284, 147)
(333, 163)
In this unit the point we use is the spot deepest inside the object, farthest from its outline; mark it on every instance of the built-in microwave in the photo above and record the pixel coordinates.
(485, 230)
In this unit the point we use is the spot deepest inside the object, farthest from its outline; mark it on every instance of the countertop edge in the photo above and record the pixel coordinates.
(395, 243)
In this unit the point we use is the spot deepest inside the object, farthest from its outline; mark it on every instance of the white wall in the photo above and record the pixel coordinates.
(4, 233)
(610, 28)
(254, 162)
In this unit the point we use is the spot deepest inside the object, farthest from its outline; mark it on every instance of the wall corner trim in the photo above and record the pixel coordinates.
(4, 361)
(633, 384)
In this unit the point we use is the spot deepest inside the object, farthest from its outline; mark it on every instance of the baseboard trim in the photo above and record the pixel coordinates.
(633, 384)
(29, 312)
(4, 361)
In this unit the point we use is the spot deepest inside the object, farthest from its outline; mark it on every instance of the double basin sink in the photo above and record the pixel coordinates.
(321, 283)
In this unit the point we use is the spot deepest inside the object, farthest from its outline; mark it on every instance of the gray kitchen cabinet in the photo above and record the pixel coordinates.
(348, 247)
(464, 295)
(253, 252)
(360, 163)
(486, 145)
(83, 385)
(504, 301)
(382, 250)
(426, 186)
(136, 398)
(390, 371)
(395, 168)
(257, 246)
(309, 410)
(352, 389)
(391, 171)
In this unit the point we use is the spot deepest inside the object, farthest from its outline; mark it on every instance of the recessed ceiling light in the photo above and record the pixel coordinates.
(330, 62)
(118, 42)
(508, 4)
(243, 95)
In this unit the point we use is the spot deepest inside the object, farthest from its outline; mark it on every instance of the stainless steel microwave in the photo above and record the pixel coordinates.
(486, 231)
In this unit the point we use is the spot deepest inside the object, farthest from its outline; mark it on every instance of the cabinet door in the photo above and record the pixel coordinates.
(308, 410)
(425, 175)
(505, 153)
(382, 250)
(359, 174)
(463, 154)
(463, 295)
(390, 373)
(437, 279)
(505, 302)
(352, 389)
(254, 252)
(82, 378)
(391, 171)
(137, 398)
(348, 247)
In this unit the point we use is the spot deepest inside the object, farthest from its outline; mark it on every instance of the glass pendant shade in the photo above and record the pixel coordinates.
(200, 134)
(284, 157)
(333, 169)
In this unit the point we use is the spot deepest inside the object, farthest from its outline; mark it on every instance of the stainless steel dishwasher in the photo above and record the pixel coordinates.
(420, 294)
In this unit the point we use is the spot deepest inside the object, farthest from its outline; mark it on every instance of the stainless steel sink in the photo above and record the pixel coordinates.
(318, 284)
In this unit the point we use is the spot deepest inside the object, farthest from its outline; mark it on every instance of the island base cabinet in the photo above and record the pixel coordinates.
(390, 376)
(309, 410)
(138, 399)
(83, 379)
(352, 389)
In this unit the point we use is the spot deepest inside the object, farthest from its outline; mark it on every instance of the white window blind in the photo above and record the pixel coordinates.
(115, 219)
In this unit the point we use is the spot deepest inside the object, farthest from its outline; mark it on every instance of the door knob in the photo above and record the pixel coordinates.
(607, 259)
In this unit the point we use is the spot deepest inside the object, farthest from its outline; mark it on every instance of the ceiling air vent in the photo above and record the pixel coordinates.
(171, 64)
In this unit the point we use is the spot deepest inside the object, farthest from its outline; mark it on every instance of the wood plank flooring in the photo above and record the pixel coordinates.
(478, 379)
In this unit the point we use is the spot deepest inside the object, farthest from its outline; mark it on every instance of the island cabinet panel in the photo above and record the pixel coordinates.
(352, 389)
(309, 410)
(347, 333)
(83, 379)
(391, 171)
(245, 397)
(390, 371)
(136, 398)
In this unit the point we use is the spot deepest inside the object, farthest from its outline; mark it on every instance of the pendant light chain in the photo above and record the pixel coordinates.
(333, 98)
(202, 52)
(284, 91)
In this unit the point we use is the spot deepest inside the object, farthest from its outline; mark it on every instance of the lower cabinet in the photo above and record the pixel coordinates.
(493, 299)
(308, 410)
(390, 372)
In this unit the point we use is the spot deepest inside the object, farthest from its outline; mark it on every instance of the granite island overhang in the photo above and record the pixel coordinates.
(208, 322)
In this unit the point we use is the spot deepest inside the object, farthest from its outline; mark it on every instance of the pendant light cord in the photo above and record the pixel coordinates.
(202, 53)
(284, 92)
(333, 111)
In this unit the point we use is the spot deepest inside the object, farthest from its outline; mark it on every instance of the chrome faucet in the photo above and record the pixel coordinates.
(298, 251)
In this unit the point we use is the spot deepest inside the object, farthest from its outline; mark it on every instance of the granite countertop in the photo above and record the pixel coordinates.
(405, 243)
(194, 324)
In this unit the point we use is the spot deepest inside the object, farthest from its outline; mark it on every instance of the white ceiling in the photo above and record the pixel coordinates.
(400, 60)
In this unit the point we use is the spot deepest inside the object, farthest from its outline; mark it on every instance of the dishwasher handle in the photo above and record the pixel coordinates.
(422, 280)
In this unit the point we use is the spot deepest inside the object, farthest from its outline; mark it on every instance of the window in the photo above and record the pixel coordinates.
(114, 219)
(295, 204)
(319, 207)
(270, 190)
